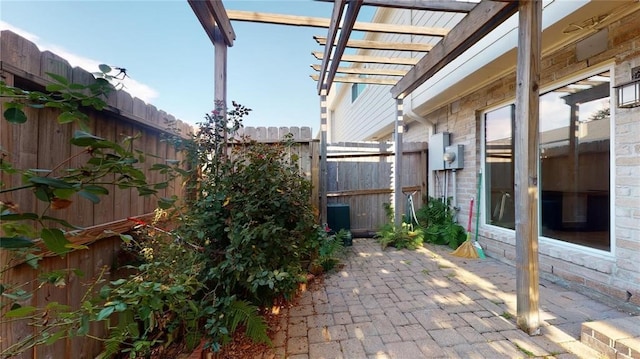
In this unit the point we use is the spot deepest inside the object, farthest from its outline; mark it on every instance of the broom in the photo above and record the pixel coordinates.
(477, 245)
(467, 249)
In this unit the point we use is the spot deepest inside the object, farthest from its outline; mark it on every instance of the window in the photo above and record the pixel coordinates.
(499, 167)
(356, 90)
(574, 164)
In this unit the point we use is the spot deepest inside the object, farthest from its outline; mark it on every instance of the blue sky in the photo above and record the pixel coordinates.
(170, 58)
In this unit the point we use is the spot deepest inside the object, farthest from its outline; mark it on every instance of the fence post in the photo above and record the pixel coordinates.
(323, 154)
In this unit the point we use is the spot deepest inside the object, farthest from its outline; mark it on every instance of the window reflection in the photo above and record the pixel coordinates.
(499, 167)
(574, 164)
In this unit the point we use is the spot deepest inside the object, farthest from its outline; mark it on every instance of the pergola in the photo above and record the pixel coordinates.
(479, 20)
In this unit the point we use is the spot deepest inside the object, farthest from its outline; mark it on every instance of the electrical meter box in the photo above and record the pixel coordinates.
(454, 157)
(437, 144)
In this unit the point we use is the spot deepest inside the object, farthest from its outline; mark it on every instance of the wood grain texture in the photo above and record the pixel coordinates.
(526, 135)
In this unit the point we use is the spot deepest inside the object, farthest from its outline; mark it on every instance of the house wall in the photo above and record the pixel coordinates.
(616, 273)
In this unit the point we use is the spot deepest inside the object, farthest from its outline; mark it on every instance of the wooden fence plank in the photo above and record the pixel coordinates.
(82, 209)
(122, 204)
(104, 212)
(19, 52)
(52, 135)
(359, 174)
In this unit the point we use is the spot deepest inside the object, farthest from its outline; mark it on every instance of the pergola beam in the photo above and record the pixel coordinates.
(365, 71)
(353, 7)
(484, 17)
(359, 80)
(212, 14)
(379, 45)
(432, 5)
(338, 9)
(409, 61)
(307, 21)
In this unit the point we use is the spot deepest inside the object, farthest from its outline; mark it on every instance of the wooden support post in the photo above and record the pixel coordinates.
(526, 135)
(220, 74)
(397, 172)
(323, 154)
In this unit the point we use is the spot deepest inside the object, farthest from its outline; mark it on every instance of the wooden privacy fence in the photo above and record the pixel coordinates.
(361, 175)
(42, 143)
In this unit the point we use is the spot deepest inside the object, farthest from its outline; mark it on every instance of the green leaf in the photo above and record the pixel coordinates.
(19, 295)
(104, 68)
(105, 291)
(119, 282)
(67, 117)
(32, 260)
(15, 115)
(18, 216)
(121, 307)
(55, 337)
(96, 189)
(126, 238)
(42, 194)
(83, 139)
(58, 78)
(166, 203)
(84, 326)
(55, 87)
(20, 312)
(161, 185)
(105, 312)
(61, 221)
(15, 242)
(90, 196)
(51, 182)
(64, 193)
(55, 240)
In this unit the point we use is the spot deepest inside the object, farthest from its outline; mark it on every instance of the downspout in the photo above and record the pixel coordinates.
(410, 115)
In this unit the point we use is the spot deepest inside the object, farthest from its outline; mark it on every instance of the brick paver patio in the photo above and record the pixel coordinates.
(429, 304)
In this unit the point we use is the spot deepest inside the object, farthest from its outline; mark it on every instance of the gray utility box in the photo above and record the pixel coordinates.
(437, 143)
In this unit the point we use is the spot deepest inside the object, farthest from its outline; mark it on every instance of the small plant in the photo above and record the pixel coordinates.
(426, 272)
(526, 352)
(329, 246)
(404, 236)
(506, 315)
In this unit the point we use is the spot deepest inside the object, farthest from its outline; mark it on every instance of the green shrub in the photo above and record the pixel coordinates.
(437, 219)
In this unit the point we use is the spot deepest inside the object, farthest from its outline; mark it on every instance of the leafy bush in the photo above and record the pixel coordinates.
(437, 219)
(243, 233)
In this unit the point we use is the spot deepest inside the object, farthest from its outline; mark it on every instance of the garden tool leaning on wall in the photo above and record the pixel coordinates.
(467, 249)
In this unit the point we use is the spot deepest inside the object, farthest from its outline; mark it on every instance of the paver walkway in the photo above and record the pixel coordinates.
(429, 304)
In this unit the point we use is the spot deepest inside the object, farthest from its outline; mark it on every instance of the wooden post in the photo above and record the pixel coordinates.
(397, 173)
(220, 75)
(323, 154)
(526, 135)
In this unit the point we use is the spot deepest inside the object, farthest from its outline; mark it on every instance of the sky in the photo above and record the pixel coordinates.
(169, 58)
